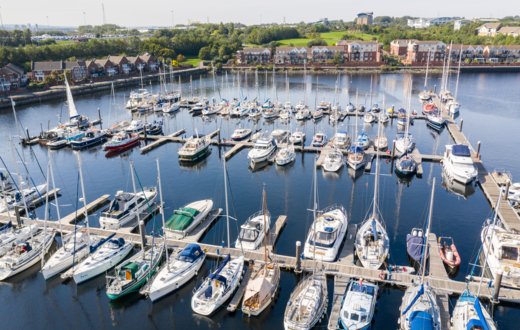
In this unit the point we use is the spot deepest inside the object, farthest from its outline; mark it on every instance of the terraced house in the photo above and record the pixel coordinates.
(502, 54)
(254, 56)
(467, 53)
(291, 55)
(418, 52)
(327, 54)
(361, 51)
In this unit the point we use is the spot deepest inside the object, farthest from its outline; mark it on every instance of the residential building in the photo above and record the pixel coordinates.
(502, 54)
(135, 63)
(11, 77)
(458, 24)
(467, 53)
(443, 20)
(327, 54)
(121, 62)
(42, 69)
(94, 69)
(365, 18)
(254, 56)
(418, 51)
(151, 63)
(399, 47)
(291, 55)
(513, 31)
(361, 51)
(78, 70)
(107, 67)
(419, 23)
(488, 29)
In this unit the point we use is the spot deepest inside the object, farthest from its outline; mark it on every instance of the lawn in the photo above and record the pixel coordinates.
(330, 37)
(191, 60)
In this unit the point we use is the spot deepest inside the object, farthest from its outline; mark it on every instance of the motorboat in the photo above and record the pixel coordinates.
(425, 96)
(26, 253)
(125, 208)
(358, 306)
(297, 138)
(185, 219)
(107, 253)
(362, 141)
(324, 106)
(264, 147)
(429, 108)
(319, 140)
(136, 97)
(285, 114)
(381, 142)
(402, 117)
(318, 114)
(356, 157)
(136, 126)
(469, 313)
(75, 247)
(253, 231)
(458, 164)
(326, 234)
(369, 118)
(280, 136)
(212, 110)
(453, 107)
(132, 274)
(177, 271)
(57, 143)
(303, 114)
(154, 128)
(404, 143)
(406, 165)
(449, 254)
(415, 243)
(501, 249)
(333, 161)
(419, 309)
(21, 197)
(91, 138)
(285, 155)
(307, 303)
(435, 120)
(341, 140)
(195, 148)
(240, 134)
(218, 287)
(270, 113)
(254, 113)
(171, 107)
(121, 140)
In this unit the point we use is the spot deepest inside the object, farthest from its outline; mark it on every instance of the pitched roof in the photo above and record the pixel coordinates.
(47, 66)
(339, 48)
(117, 59)
(291, 48)
(102, 61)
(69, 65)
(509, 30)
(133, 59)
(490, 25)
(146, 57)
(13, 68)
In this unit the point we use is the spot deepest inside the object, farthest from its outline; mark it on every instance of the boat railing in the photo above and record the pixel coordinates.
(332, 208)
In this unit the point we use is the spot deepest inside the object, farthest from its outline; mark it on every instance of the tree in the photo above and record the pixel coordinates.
(180, 58)
(316, 42)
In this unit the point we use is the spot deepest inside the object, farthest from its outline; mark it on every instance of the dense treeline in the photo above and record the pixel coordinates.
(15, 38)
(264, 35)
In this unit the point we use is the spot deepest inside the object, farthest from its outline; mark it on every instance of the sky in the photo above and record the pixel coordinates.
(132, 13)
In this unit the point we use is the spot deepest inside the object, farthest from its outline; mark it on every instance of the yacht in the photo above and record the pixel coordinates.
(307, 303)
(171, 107)
(381, 143)
(453, 107)
(91, 138)
(458, 165)
(369, 118)
(136, 126)
(120, 141)
(303, 114)
(326, 234)
(333, 160)
(383, 118)
(297, 138)
(435, 121)
(318, 114)
(341, 140)
(195, 148)
(419, 309)
(9, 235)
(280, 136)
(404, 143)
(218, 287)
(362, 141)
(75, 247)
(501, 249)
(106, 254)
(285, 155)
(319, 140)
(241, 134)
(324, 106)
(415, 243)
(177, 271)
(252, 232)
(264, 147)
(358, 306)
(356, 157)
(270, 113)
(406, 165)
(21, 198)
(125, 207)
(185, 219)
(132, 274)
(261, 289)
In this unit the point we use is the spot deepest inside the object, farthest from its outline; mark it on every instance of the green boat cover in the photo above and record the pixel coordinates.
(181, 218)
(133, 267)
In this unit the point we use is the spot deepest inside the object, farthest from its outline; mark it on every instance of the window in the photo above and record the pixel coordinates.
(509, 253)
(354, 317)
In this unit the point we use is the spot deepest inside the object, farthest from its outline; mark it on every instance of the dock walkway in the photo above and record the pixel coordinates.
(340, 287)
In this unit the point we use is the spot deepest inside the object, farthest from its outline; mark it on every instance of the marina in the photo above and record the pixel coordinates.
(283, 241)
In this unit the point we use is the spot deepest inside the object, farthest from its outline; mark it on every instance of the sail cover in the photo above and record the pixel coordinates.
(73, 112)
(216, 274)
(421, 320)
(482, 323)
(190, 253)
(414, 300)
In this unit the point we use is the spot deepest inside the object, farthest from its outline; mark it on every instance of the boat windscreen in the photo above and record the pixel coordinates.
(461, 150)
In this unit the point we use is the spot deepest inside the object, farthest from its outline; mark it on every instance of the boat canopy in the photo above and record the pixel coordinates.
(358, 287)
(101, 242)
(460, 150)
(414, 300)
(356, 149)
(132, 267)
(190, 253)
(421, 321)
(216, 274)
(182, 218)
(259, 286)
(414, 247)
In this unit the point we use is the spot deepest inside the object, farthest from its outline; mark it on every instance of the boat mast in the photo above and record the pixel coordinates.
(83, 197)
(55, 192)
(427, 67)
(458, 73)
(426, 246)
(226, 200)
(264, 210)
(46, 216)
(161, 210)
(371, 81)
(138, 214)
(376, 183)
(314, 212)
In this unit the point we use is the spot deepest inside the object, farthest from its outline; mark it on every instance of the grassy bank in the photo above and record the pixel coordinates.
(330, 37)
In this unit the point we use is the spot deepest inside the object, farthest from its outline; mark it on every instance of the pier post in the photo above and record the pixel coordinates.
(17, 215)
(478, 149)
(460, 124)
(28, 135)
(99, 116)
(298, 268)
(497, 285)
(142, 232)
(393, 149)
(506, 194)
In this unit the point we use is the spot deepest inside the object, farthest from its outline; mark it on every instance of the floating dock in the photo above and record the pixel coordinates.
(340, 287)
(239, 294)
(80, 214)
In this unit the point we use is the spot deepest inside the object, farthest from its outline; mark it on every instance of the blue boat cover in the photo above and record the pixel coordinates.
(103, 241)
(356, 149)
(419, 294)
(216, 274)
(374, 229)
(190, 253)
(421, 321)
(461, 150)
(6, 226)
(481, 323)
(414, 247)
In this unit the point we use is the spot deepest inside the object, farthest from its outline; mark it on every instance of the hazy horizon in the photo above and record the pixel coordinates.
(159, 12)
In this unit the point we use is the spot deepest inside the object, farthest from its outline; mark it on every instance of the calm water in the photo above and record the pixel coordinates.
(490, 109)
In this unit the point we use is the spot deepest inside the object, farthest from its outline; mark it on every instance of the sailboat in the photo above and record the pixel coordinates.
(218, 287)
(75, 119)
(426, 95)
(372, 244)
(263, 284)
(419, 309)
(75, 245)
(333, 160)
(308, 302)
(356, 155)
